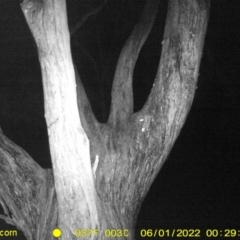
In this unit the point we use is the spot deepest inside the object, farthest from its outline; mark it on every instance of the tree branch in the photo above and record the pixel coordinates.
(134, 153)
(27, 192)
(85, 17)
(122, 94)
(158, 124)
(69, 145)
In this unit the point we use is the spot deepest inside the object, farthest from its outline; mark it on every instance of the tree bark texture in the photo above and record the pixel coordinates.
(69, 146)
(102, 172)
(132, 147)
(27, 192)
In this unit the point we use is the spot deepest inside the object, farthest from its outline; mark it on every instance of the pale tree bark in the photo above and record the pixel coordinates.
(102, 172)
(69, 146)
(27, 192)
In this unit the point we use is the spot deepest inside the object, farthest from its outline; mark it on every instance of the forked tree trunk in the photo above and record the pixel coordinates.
(102, 172)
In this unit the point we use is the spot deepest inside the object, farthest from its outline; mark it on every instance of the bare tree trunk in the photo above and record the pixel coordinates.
(102, 172)
(69, 145)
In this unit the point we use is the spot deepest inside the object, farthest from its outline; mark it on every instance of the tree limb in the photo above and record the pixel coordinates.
(158, 124)
(79, 24)
(122, 94)
(27, 192)
(69, 145)
(137, 149)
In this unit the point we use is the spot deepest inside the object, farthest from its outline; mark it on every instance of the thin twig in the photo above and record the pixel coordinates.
(85, 17)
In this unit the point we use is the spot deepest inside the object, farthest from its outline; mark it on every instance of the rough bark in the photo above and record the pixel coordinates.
(122, 101)
(27, 192)
(135, 146)
(104, 189)
(69, 146)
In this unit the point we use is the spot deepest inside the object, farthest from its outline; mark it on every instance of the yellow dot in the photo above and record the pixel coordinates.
(56, 232)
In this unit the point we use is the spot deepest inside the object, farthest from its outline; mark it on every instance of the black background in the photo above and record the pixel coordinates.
(198, 186)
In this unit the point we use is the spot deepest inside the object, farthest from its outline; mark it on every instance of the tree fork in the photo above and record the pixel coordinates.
(132, 148)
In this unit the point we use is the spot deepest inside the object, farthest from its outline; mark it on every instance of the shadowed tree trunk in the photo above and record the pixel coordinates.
(101, 172)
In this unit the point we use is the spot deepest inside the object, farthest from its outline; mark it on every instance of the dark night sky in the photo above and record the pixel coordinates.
(198, 187)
